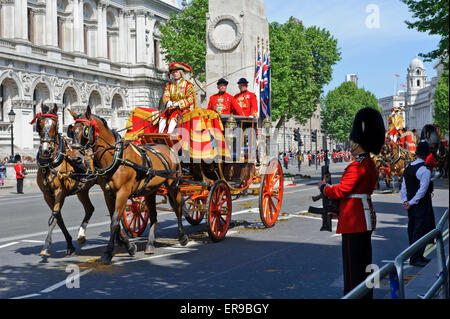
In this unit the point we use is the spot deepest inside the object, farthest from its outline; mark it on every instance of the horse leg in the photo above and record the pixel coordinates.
(48, 240)
(88, 211)
(121, 200)
(56, 214)
(110, 201)
(176, 202)
(150, 201)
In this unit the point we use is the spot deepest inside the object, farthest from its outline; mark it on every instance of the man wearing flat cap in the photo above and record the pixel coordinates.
(222, 102)
(357, 217)
(179, 97)
(416, 196)
(246, 100)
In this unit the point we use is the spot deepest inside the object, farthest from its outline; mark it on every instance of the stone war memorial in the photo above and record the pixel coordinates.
(236, 31)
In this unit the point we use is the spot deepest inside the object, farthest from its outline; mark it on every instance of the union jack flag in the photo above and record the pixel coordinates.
(265, 87)
(257, 80)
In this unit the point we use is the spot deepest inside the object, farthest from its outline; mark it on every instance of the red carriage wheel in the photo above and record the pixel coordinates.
(194, 211)
(135, 217)
(218, 210)
(271, 193)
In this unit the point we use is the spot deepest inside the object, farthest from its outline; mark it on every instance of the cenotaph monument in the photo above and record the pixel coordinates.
(236, 29)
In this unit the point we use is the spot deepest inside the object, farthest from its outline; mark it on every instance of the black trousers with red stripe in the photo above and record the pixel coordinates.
(356, 256)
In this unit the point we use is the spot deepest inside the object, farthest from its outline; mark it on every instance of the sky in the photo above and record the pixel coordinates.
(373, 38)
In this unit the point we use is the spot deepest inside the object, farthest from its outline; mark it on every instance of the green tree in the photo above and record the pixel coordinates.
(183, 37)
(301, 60)
(432, 17)
(441, 101)
(340, 106)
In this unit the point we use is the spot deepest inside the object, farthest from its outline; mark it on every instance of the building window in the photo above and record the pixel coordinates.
(418, 72)
(418, 82)
(30, 25)
(60, 33)
(85, 40)
(156, 53)
(2, 118)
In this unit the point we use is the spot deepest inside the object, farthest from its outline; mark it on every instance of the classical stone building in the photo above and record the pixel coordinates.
(417, 99)
(102, 53)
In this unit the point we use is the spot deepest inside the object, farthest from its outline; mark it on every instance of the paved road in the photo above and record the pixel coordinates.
(291, 260)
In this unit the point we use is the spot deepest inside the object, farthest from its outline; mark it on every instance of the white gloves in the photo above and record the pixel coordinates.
(169, 104)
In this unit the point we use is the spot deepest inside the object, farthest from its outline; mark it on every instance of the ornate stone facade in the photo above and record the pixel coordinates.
(76, 53)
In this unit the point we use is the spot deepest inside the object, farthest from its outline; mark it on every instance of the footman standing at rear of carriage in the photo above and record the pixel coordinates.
(356, 215)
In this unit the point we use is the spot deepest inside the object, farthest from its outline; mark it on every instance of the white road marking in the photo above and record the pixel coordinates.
(63, 282)
(9, 244)
(26, 296)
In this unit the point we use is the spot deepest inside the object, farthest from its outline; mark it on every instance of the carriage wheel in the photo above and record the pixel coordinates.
(135, 217)
(218, 210)
(271, 193)
(193, 211)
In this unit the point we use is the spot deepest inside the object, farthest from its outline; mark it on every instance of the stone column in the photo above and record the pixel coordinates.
(77, 29)
(7, 19)
(101, 30)
(20, 20)
(141, 48)
(81, 25)
(39, 31)
(51, 23)
(23, 132)
(122, 37)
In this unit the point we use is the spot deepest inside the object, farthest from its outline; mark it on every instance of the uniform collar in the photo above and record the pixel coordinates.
(361, 156)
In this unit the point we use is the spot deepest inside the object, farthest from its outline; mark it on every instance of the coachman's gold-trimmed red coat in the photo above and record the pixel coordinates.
(248, 103)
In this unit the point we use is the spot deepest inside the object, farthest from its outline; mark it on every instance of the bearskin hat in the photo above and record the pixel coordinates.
(17, 158)
(368, 130)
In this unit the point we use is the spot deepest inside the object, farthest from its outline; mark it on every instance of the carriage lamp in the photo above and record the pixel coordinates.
(12, 117)
(267, 125)
(230, 135)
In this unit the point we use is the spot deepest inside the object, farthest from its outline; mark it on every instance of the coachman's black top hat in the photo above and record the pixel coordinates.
(242, 81)
(368, 130)
(222, 81)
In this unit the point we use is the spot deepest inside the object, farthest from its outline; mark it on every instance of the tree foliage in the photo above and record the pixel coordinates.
(340, 106)
(441, 106)
(183, 37)
(432, 17)
(301, 60)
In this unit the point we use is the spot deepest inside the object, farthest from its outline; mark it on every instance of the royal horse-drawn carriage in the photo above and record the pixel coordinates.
(218, 164)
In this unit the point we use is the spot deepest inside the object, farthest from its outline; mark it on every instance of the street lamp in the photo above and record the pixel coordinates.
(12, 117)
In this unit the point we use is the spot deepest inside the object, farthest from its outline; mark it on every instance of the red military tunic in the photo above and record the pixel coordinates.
(431, 161)
(360, 177)
(224, 104)
(247, 102)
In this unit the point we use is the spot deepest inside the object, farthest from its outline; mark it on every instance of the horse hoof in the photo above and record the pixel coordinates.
(132, 250)
(184, 240)
(149, 250)
(81, 240)
(106, 260)
(45, 253)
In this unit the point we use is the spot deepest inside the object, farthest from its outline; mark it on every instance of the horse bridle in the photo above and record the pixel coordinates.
(46, 130)
(89, 133)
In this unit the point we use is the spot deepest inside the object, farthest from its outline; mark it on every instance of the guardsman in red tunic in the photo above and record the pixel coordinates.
(246, 100)
(179, 97)
(357, 219)
(222, 102)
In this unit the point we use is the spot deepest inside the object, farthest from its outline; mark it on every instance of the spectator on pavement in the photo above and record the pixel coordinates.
(416, 196)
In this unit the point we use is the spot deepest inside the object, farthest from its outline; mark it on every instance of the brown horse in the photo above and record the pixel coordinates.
(125, 171)
(395, 158)
(55, 168)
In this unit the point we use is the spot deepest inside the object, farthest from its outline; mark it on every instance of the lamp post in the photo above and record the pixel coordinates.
(12, 117)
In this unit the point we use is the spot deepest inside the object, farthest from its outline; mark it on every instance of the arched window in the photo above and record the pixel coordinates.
(89, 27)
(418, 72)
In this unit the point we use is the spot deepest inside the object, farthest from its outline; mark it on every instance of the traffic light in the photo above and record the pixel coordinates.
(314, 136)
(296, 135)
(300, 142)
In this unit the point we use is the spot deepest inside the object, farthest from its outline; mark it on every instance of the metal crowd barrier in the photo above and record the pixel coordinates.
(395, 270)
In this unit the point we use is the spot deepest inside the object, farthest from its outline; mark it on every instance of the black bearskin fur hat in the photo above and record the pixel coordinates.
(368, 130)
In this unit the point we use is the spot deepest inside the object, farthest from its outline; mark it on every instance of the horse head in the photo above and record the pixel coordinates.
(85, 130)
(431, 135)
(47, 128)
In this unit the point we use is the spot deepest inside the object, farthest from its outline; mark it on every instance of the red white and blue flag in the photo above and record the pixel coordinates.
(257, 80)
(265, 87)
